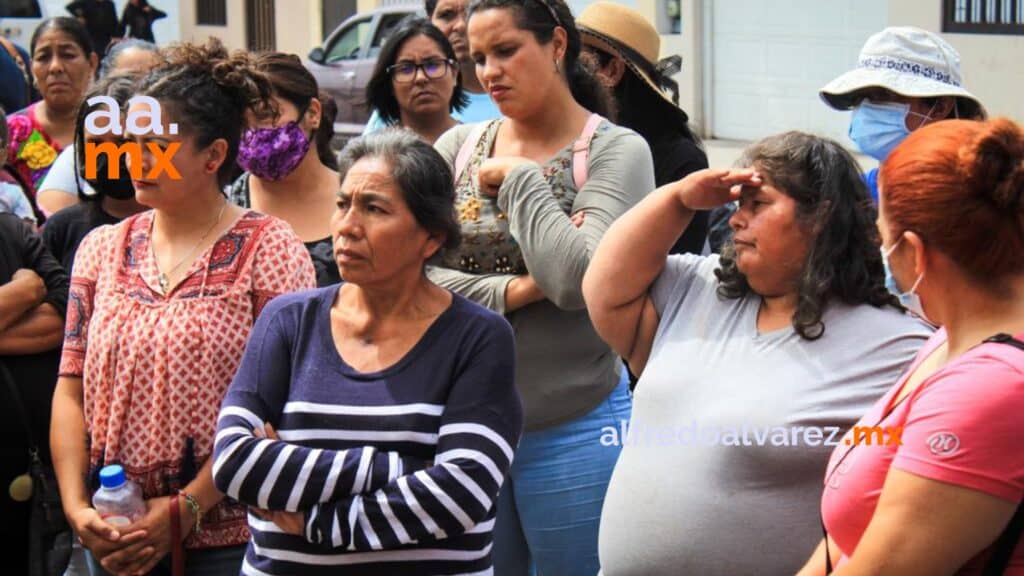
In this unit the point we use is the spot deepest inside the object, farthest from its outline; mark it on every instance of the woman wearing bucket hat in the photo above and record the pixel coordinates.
(622, 48)
(905, 78)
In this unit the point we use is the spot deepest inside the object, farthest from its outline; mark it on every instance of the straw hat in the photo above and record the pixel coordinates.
(906, 60)
(624, 32)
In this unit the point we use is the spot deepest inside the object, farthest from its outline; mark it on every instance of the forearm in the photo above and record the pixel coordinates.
(202, 488)
(521, 292)
(488, 290)
(68, 444)
(16, 298)
(815, 565)
(39, 330)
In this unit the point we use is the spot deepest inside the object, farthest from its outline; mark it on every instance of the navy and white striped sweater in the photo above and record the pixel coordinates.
(398, 471)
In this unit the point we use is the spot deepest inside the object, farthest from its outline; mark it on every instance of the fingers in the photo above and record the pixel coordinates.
(129, 560)
(96, 526)
(746, 177)
(271, 433)
(577, 218)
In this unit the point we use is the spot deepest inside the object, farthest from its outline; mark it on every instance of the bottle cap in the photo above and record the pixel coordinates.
(111, 476)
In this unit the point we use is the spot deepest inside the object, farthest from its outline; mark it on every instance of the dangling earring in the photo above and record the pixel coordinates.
(558, 67)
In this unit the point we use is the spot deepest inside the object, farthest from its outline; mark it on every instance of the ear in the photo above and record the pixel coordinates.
(433, 245)
(314, 113)
(216, 154)
(559, 43)
(919, 250)
(614, 72)
(944, 107)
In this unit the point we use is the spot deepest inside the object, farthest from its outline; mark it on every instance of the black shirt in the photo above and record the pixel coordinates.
(100, 20)
(66, 229)
(674, 158)
(320, 251)
(34, 376)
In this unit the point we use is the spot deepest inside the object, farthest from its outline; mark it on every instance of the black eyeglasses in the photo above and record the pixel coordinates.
(405, 72)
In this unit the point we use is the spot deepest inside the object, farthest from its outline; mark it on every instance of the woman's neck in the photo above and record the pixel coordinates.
(431, 127)
(976, 314)
(559, 118)
(58, 124)
(470, 83)
(777, 311)
(371, 310)
(192, 219)
(308, 182)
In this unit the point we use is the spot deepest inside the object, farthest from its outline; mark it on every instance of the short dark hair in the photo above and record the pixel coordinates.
(207, 92)
(419, 171)
(843, 261)
(380, 91)
(540, 18)
(70, 26)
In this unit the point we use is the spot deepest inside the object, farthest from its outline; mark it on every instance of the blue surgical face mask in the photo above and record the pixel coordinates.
(909, 299)
(878, 127)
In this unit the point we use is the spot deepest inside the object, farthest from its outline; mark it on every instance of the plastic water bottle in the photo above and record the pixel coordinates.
(119, 501)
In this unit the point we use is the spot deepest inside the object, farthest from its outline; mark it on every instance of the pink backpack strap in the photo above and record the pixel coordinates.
(581, 151)
(466, 151)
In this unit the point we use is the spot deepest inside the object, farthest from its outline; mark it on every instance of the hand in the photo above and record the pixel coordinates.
(31, 281)
(577, 218)
(289, 522)
(526, 290)
(140, 557)
(493, 171)
(99, 537)
(267, 432)
(707, 189)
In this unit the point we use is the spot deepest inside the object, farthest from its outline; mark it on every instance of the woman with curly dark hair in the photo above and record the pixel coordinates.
(750, 363)
(162, 304)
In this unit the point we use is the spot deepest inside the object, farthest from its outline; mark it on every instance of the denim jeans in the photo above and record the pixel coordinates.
(226, 561)
(549, 508)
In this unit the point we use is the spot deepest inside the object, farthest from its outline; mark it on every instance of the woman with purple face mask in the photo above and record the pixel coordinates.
(289, 167)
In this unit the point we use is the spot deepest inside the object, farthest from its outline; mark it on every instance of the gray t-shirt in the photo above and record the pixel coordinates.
(722, 470)
(563, 368)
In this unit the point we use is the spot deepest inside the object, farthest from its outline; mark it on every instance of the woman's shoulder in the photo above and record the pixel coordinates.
(618, 142)
(297, 304)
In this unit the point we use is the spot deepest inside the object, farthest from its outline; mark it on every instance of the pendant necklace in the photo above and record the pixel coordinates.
(163, 278)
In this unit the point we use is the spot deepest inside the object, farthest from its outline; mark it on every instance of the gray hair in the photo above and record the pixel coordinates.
(109, 62)
(419, 171)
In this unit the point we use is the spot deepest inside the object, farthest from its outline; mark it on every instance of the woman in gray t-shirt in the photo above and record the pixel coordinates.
(752, 364)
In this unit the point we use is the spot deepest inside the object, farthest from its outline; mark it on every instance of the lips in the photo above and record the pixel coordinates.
(497, 91)
(343, 256)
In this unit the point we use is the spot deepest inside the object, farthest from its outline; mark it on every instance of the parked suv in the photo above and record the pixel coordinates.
(343, 64)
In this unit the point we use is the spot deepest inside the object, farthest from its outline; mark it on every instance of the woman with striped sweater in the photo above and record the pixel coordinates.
(371, 423)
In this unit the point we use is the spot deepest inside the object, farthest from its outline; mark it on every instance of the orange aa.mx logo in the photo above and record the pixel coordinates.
(161, 156)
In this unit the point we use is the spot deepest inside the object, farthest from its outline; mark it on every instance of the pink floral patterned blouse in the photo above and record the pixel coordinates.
(154, 368)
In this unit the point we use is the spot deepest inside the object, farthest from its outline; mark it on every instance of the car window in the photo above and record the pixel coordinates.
(20, 9)
(348, 44)
(388, 24)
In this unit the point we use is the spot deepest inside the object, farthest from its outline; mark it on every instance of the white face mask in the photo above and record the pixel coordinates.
(909, 299)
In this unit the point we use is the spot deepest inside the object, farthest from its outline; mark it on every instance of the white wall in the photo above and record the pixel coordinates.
(991, 64)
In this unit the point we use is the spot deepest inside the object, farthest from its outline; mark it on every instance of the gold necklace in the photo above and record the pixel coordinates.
(164, 278)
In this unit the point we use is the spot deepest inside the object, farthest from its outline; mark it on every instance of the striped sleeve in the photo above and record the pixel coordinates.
(480, 429)
(273, 474)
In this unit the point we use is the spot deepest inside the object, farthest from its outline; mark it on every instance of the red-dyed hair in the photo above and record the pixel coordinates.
(959, 185)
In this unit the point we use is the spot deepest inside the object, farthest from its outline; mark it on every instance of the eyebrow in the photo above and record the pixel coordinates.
(365, 197)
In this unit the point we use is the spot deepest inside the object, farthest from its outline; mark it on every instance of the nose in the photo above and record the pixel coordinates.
(488, 70)
(419, 75)
(738, 220)
(347, 223)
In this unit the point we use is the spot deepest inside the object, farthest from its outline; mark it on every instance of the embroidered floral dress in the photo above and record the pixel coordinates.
(155, 367)
(487, 246)
(31, 151)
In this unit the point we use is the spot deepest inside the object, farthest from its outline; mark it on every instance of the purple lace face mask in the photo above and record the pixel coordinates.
(273, 153)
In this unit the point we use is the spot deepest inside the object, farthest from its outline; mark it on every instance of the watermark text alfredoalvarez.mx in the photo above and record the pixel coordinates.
(745, 435)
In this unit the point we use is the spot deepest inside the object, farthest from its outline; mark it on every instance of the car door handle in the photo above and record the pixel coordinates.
(348, 75)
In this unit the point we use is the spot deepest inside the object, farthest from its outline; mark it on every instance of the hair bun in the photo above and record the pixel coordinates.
(993, 164)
